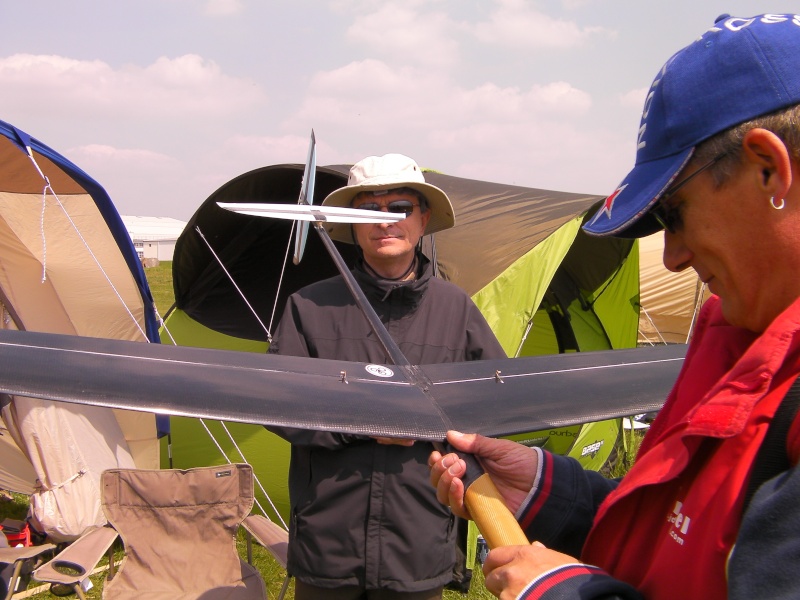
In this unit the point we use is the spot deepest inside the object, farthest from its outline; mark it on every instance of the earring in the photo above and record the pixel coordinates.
(777, 206)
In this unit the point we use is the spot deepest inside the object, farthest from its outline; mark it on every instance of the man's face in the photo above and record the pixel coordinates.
(729, 236)
(390, 244)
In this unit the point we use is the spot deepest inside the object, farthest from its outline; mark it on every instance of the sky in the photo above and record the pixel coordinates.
(164, 101)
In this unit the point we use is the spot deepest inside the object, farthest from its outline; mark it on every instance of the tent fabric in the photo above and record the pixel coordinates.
(496, 225)
(67, 265)
(252, 250)
(669, 301)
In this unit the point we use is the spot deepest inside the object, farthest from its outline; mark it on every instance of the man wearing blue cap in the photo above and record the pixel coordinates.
(711, 508)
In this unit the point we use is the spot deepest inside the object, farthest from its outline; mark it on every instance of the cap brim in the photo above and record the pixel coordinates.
(625, 212)
(442, 214)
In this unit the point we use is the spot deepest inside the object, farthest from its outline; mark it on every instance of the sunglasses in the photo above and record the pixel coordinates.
(405, 207)
(669, 216)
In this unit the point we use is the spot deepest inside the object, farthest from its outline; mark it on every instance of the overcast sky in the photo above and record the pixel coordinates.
(163, 101)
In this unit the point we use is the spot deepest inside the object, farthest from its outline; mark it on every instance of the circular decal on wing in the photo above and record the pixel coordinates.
(379, 370)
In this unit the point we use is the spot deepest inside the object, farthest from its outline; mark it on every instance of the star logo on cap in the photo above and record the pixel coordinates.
(608, 205)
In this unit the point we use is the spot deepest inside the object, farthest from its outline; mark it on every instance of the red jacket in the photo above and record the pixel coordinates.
(669, 526)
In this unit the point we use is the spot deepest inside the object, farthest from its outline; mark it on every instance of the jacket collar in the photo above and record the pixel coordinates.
(407, 292)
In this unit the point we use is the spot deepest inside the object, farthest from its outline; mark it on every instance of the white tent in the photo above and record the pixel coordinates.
(66, 266)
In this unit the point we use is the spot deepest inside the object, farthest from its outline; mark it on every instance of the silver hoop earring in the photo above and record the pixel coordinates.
(777, 206)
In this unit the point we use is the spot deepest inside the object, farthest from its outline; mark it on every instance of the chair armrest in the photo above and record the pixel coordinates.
(78, 559)
(12, 555)
(270, 535)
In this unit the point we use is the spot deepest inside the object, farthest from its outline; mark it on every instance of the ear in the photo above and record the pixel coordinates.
(425, 217)
(769, 155)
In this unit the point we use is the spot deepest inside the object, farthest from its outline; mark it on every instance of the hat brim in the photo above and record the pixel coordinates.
(439, 205)
(626, 213)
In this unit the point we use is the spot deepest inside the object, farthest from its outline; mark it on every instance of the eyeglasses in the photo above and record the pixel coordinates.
(405, 207)
(669, 216)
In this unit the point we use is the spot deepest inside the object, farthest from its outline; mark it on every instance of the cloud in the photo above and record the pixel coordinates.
(370, 97)
(186, 87)
(540, 135)
(634, 99)
(139, 181)
(514, 23)
(223, 8)
(406, 34)
(96, 154)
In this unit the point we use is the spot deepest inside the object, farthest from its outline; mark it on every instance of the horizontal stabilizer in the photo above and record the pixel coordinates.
(310, 212)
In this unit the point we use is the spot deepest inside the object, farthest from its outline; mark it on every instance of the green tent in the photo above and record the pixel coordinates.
(543, 285)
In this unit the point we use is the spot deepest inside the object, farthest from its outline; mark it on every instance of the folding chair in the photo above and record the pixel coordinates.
(20, 561)
(179, 532)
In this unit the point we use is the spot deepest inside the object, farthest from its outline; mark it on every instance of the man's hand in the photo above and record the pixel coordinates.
(510, 569)
(511, 466)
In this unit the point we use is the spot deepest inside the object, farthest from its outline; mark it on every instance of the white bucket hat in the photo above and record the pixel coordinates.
(389, 172)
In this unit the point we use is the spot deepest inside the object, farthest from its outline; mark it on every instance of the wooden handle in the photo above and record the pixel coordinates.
(495, 522)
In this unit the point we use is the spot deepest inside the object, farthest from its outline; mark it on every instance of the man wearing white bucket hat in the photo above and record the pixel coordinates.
(365, 522)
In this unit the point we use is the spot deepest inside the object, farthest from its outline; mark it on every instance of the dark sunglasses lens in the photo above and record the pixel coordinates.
(400, 206)
(667, 217)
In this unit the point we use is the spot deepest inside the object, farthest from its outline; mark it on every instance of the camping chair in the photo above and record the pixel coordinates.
(274, 538)
(19, 561)
(179, 531)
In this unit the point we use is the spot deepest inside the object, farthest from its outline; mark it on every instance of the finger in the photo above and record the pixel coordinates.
(449, 464)
(455, 499)
(441, 480)
(462, 441)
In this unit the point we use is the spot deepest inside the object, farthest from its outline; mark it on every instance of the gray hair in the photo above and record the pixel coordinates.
(784, 123)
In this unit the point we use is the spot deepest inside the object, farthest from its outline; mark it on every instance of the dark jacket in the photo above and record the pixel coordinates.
(364, 513)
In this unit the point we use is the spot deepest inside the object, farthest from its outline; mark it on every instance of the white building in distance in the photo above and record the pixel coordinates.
(154, 237)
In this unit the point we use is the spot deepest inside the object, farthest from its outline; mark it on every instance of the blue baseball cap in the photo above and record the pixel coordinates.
(740, 69)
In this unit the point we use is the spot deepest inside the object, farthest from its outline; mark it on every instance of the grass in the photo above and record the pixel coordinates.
(160, 281)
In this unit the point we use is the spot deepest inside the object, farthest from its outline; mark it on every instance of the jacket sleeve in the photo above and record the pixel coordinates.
(578, 582)
(289, 341)
(481, 341)
(765, 559)
(559, 512)
(560, 508)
